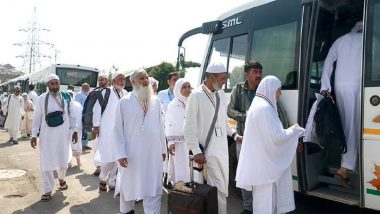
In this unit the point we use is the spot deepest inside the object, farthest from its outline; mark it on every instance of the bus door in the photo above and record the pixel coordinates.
(330, 20)
(371, 107)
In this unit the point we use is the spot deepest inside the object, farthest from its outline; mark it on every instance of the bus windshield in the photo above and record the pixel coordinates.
(76, 77)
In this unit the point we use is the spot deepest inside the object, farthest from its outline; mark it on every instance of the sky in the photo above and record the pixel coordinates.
(125, 33)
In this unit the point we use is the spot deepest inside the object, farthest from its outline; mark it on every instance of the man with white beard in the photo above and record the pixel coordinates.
(206, 126)
(141, 146)
(54, 120)
(103, 121)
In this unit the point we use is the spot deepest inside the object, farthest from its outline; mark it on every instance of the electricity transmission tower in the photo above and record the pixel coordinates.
(32, 57)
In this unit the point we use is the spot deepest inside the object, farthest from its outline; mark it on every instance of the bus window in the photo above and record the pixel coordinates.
(275, 41)
(237, 60)
(220, 49)
(373, 48)
(76, 77)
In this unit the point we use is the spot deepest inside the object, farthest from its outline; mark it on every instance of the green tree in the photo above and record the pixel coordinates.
(160, 72)
(236, 76)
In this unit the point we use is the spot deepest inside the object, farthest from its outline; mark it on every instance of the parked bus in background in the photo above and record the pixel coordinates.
(69, 75)
(291, 39)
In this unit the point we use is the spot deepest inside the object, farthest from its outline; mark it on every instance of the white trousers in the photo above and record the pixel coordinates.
(108, 172)
(222, 203)
(48, 178)
(13, 134)
(152, 205)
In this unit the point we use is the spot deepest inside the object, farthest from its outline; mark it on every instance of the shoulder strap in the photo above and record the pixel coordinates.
(46, 102)
(106, 98)
(66, 96)
(210, 131)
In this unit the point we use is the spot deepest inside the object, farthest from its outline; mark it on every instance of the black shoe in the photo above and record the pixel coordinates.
(97, 171)
(246, 212)
(130, 212)
(15, 142)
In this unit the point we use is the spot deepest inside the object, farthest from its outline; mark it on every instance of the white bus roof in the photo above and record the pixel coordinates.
(243, 7)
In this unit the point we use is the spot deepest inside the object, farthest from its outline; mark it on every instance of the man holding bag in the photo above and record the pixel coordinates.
(53, 119)
(206, 126)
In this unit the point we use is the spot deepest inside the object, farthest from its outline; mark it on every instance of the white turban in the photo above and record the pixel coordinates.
(216, 68)
(103, 75)
(117, 73)
(135, 73)
(52, 77)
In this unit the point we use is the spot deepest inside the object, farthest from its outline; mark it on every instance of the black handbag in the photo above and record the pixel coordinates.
(54, 119)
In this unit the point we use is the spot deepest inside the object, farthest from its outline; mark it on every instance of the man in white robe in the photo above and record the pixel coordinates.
(32, 95)
(27, 120)
(199, 116)
(104, 124)
(14, 110)
(267, 152)
(347, 52)
(141, 146)
(174, 120)
(54, 141)
(103, 83)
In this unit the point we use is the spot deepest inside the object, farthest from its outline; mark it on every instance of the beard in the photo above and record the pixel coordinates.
(54, 91)
(143, 93)
(216, 86)
(119, 87)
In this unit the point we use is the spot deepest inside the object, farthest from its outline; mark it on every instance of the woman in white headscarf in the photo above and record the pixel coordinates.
(174, 121)
(267, 152)
(154, 83)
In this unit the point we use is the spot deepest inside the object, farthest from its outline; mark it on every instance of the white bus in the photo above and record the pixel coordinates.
(74, 75)
(291, 39)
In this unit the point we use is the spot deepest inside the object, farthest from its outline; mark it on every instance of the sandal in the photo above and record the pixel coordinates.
(63, 185)
(344, 181)
(45, 197)
(111, 187)
(102, 186)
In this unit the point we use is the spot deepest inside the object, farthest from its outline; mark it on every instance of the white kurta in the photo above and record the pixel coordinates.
(199, 114)
(106, 123)
(347, 52)
(174, 121)
(15, 111)
(267, 153)
(33, 96)
(78, 114)
(142, 142)
(54, 142)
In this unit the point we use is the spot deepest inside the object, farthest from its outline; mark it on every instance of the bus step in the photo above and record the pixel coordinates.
(345, 190)
(328, 180)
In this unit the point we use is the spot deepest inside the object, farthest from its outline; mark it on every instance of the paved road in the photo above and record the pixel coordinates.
(22, 194)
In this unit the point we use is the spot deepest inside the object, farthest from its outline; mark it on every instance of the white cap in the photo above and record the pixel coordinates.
(216, 68)
(117, 73)
(103, 75)
(52, 77)
(135, 73)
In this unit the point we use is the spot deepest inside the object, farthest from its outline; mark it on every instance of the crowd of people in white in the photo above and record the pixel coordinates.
(141, 139)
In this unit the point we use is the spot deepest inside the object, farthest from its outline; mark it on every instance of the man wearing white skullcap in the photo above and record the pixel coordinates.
(206, 126)
(14, 110)
(141, 146)
(55, 122)
(103, 121)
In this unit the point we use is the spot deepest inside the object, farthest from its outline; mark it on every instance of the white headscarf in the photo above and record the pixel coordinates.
(152, 81)
(267, 89)
(177, 90)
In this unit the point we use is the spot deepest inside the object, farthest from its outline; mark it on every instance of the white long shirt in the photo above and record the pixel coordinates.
(142, 141)
(54, 142)
(15, 111)
(106, 123)
(199, 114)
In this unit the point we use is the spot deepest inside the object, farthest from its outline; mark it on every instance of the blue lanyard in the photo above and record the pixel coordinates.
(170, 97)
